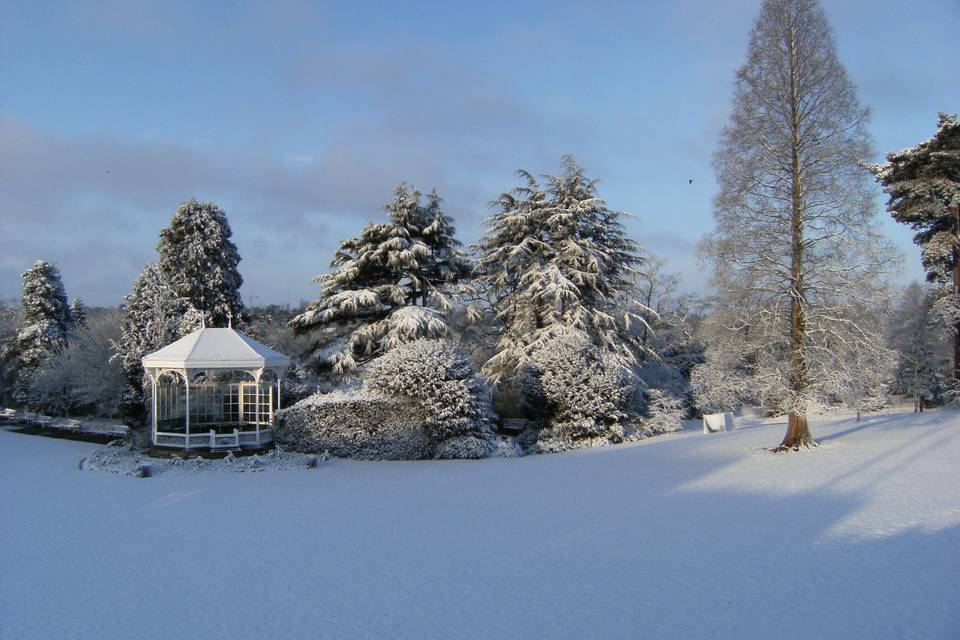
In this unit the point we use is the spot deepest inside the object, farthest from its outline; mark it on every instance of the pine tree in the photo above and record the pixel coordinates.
(199, 261)
(43, 321)
(796, 242)
(390, 285)
(923, 183)
(555, 256)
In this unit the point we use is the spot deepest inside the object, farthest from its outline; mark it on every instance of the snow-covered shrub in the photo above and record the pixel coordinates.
(665, 399)
(441, 379)
(356, 425)
(663, 413)
(578, 393)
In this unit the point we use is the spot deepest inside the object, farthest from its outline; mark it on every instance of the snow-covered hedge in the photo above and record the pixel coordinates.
(356, 425)
(578, 393)
(439, 377)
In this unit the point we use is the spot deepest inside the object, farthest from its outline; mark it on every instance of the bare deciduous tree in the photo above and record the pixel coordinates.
(795, 242)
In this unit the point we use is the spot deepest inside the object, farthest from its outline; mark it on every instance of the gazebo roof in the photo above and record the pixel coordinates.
(216, 349)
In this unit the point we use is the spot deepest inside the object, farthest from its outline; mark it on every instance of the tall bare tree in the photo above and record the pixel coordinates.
(795, 243)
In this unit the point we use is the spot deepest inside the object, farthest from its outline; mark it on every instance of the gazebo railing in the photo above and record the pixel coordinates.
(213, 440)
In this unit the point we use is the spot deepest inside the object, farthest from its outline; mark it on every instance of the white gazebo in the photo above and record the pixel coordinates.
(214, 389)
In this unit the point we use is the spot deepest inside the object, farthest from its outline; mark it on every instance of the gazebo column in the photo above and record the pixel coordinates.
(186, 382)
(256, 401)
(154, 379)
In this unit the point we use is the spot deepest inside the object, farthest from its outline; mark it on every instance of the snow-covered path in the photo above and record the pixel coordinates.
(684, 536)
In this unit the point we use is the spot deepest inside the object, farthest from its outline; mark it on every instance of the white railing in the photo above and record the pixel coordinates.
(213, 440)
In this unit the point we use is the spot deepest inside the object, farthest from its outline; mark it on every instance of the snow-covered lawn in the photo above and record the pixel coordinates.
(683, 536)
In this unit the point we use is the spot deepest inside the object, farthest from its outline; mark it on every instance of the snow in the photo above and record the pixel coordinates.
(680, 536)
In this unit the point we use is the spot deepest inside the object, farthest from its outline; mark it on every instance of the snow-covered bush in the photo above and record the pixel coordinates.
(441, 379)
(355, 425)
(663, 412)
(662, 403)
(84, 376)
(577, 393)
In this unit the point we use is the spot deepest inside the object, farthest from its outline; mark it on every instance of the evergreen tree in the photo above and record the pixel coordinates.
(199, 262)
(389, 286)
(920, 371)
(153, 318)
(43, 321)
(9, 326)
(78, 313)
(924, 187)
(796, 241)
(555, 256)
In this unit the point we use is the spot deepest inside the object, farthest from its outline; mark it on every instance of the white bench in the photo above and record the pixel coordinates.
(717, 422)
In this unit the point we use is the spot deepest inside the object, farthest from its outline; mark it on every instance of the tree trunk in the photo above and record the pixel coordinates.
(798, 432)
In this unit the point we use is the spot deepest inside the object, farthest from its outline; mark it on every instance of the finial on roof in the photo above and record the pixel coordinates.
(230, 321)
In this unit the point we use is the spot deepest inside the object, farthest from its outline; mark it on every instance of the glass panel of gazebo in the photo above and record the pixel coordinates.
(171, 404)
(218, 401)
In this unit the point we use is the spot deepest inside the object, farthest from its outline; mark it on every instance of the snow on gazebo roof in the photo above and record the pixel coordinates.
(215, 349)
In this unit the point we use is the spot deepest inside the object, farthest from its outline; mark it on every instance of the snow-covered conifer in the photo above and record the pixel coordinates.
(43, 321)
(9, 324)
(152, 319)
(918, 342)
(369, 303)
(923, 183)
(556, 256)
(78, 313)
(199, 262)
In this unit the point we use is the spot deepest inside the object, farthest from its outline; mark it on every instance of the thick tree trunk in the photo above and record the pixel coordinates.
(798, 434)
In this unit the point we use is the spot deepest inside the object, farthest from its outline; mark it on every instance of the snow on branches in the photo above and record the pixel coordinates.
(390, 285)
(555, 255)
(579, 394)
(923, 183)
(199, 262)
(438, 376)
(44, 320)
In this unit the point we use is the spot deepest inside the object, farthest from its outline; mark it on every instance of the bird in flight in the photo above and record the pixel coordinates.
(690, 181)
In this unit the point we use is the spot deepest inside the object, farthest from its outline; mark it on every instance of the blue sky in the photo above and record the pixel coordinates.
(299, 118)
